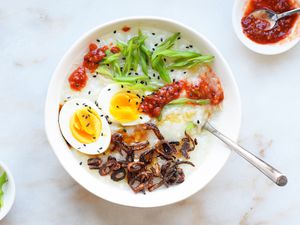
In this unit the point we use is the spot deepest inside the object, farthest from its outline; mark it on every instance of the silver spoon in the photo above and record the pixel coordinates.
(271, 17)
(272, 173)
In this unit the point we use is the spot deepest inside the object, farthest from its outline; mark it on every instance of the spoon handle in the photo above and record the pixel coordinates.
(272, 173)
(288, 13)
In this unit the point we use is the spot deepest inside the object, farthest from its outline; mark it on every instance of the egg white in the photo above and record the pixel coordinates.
(66, 113)
(104, 101)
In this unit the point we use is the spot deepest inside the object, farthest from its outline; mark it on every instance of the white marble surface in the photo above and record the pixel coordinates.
(33, 37)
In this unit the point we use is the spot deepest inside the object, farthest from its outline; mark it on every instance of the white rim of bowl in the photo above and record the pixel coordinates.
(130, 19)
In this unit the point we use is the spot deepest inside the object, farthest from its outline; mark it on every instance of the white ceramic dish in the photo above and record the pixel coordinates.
(265, 49)
(228, 122)
(9, 191)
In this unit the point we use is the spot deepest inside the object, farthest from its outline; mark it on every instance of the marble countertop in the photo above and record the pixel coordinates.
(33, 37)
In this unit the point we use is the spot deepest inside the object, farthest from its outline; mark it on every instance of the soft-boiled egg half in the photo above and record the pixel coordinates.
(84, 126)
(121, 105)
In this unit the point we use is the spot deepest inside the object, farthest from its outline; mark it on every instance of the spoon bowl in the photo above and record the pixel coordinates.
(270, 17)
(267, 16)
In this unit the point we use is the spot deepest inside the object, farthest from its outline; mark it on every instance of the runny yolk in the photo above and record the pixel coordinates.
(85, 125)
(124, 106)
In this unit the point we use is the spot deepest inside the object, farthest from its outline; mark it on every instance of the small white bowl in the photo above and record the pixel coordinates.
(266, 49)
(9, 191)
(216, 155)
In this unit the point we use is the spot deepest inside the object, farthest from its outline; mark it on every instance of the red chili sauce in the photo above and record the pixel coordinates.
(126, 28)
(208, 87)
(78, 79)
(94, 56)
(254, 28)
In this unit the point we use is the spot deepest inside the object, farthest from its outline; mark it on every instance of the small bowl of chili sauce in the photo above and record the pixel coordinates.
(250, 31)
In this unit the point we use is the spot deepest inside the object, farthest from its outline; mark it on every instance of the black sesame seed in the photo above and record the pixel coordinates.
(124, 58)
(109, 122)
(98, 151)
(156, 45)
(153, 34)
(77, 103)
(141, 117)
(87, 124)
(79, 148)
(136, 73)
(131, 69)
(172, 70)
(158, 78)
(68, 97)
(89, 92)
(178, 38)
(153, 49)
(94, 76)
(98, 40)
(165, 60)
(138, 95)
(128, 91)
(184, 72)
(187, 47)
(142, 82)
(136, 103)
(153, 74)
(101, 115)
(124, 130)
(129, 73)
(115, 31)
(195, 141)
(161, 39)
(117, 106)
(80, 163)
(174, 80)
(108, 89)
(100, 148)
(84, 145)
(198, 122)
(190, 46)
(101, 134)
(122, 86)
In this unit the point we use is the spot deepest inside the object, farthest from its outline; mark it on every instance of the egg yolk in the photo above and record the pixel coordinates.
(124, 106)
(86, 125)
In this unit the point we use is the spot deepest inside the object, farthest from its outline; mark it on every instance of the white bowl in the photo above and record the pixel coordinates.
(287, 43)
(228, 121)
(9, 192)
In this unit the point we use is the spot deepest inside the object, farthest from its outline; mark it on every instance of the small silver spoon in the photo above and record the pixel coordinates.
(271, 17)
(272, 173)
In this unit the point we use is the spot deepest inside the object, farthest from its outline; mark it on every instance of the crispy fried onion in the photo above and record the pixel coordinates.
(142, 170)
(188, 144)
(94, 163)
(119, 145)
